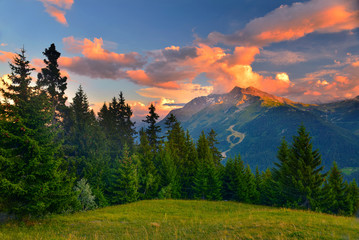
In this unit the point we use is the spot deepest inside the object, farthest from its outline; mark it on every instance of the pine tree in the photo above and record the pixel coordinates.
(51, 80)
(189, 167)
(85, 144)
(170, 182)
(266, 190)
(148, 174)
(116, 123)
(306, 166)
(32, 181)
(233, 179)
(352, 193)
(125, 180)
(152, 130)
(334, 195)
(207, 182)
(283, 185)
(212, 141)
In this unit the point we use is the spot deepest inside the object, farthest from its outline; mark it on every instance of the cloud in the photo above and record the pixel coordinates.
(185, 93)
(3, 44)
(292, 22)
(6, 56)
(58, 14)
(98, 62)
(281, 57)
(57, 9)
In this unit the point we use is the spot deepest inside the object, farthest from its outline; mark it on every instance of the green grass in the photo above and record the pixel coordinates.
(179, 219)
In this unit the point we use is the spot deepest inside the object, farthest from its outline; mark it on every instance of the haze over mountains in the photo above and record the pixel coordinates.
(253, 123)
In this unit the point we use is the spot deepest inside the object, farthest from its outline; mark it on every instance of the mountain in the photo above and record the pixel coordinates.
(252, 123)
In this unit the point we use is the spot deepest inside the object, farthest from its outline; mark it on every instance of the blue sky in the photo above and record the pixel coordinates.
(172, 51)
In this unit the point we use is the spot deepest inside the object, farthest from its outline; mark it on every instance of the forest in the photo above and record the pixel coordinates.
(58, 158)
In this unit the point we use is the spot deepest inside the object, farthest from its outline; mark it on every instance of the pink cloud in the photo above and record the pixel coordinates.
(98, 62)
(57, 9)
(296, 21)
(59, 15)
(6, 56)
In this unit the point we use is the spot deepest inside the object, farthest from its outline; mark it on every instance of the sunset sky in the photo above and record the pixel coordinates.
(169, 52)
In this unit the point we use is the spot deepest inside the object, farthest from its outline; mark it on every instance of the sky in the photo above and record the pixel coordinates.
(167, 52)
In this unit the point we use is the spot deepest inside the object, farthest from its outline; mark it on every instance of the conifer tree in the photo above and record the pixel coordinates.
(125, 179)
(283, 186)
(152, 130)
(212, 141)
(148, 174)
(352, 201)
(233, 179)
(170, 183)
(50, 79)
(116, 122)
(85, 145)
(32, 181)
(189, 167)
(207, 182)
(306, 166)
(334, 199)
(266, 190)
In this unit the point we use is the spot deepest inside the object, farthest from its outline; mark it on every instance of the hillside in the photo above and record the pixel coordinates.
(252, 123)
(179, 219)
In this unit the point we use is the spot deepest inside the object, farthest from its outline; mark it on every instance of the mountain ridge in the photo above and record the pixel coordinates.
(252, 122)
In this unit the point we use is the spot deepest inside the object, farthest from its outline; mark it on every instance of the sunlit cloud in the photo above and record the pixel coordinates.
(293, 22)
(57, 9)
(281, 57)
(98, 62)
(3, 44)
(7, 80)
(6, 56)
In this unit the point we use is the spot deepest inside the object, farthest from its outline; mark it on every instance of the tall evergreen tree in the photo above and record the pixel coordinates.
(148, 173)
(207, 182)
(212, 141)
(85, 144)
(152, 130)
(50, 79)
(334, 198)
(306, 166)
(352, 193)
(116, 122)
(125, 180)
(32, 181)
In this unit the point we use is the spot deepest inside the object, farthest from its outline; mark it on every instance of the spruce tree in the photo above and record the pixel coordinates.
(212, 141)
(124, 186)
(207, 182)
(148, 173)
(32, 180)
(51, 80)
(306, 168)
(334, 198)
(352, 201)
(152, 130)
(85, 145)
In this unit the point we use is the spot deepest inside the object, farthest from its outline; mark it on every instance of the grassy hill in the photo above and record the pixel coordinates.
(180, 219)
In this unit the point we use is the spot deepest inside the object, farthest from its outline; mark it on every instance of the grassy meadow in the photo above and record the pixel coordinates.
(181, 219)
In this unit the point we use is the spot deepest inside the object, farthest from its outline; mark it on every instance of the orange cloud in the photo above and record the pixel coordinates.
(52, 8)
(59, 15)
(6, 56)
(295, 21)
(7, 80)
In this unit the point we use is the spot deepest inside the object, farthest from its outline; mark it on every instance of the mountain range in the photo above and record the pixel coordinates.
(253, 123)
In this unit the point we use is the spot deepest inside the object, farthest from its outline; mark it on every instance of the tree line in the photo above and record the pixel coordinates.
(56, 158)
